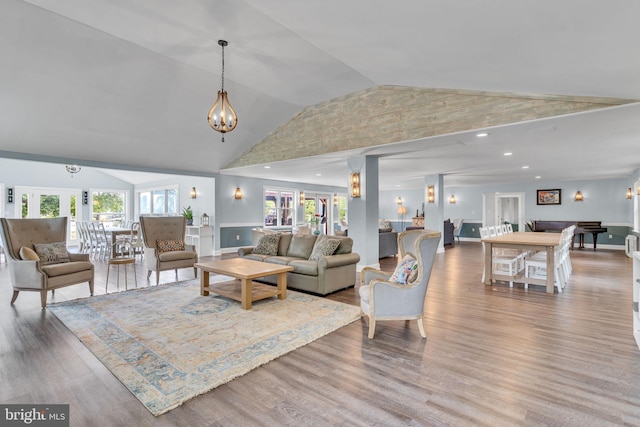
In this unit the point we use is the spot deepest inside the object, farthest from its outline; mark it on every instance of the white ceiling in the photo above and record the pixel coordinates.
(128, 83)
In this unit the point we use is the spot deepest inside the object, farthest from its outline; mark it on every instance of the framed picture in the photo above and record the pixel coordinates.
(549, 197)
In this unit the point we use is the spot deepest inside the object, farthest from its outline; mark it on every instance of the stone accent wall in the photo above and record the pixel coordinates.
(388, 114)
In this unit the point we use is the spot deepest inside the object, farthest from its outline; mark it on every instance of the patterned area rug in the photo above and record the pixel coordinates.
(168, 344)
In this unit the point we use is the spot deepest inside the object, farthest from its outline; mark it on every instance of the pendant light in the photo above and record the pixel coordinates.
(222, 118)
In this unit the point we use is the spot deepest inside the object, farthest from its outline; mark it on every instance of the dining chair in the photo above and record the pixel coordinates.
(509, 228)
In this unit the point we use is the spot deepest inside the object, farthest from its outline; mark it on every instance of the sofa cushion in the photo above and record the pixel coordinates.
(406, 271)
(169, 245)
(176, 255)
(52, 253)
(324, 246)
(62, 269)
(308, 268)
(346, 245)
(285, 241)
(256, 257)
(267, 245)
(280, 260)
(28, 254)
(301, 246)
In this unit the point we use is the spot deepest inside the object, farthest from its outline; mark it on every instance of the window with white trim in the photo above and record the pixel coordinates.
(279, 207)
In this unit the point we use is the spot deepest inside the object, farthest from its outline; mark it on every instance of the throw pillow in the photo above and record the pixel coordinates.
(52, 253)
(406, 271)
(267, 245)
(323, 247)
(28, 254)
(169, 245)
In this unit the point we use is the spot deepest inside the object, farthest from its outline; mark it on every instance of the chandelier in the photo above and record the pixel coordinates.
(73, 169)
(222, 118)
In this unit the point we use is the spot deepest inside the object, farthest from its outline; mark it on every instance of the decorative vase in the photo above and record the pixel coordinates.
(317, 230)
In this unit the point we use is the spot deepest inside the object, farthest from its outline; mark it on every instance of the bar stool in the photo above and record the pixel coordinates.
(122, 253)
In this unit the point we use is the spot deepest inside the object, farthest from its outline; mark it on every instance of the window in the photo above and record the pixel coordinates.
(159, 201)
(279, 207)
(109, 207)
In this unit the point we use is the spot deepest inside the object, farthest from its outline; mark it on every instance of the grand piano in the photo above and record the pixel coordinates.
(582, 227)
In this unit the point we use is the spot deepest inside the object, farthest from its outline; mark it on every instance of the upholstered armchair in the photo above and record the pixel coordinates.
(164, 247)
(382, 299)
(29, 272)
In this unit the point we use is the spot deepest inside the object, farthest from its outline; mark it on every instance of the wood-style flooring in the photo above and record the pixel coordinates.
(494, 356)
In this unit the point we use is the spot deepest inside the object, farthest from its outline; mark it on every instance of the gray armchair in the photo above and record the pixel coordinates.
(381, 299)
(35, 275)
(163, 228)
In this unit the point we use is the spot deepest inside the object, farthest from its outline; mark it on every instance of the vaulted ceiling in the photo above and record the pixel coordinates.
(128, 83)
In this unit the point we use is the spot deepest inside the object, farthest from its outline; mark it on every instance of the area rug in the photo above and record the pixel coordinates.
(167, 344)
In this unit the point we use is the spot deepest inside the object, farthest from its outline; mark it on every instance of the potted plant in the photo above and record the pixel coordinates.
(188, 214)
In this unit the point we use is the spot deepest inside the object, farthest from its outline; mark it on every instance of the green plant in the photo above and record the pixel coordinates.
(187, 212)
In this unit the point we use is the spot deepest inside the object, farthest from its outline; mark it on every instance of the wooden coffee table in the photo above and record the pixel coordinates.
(243, 289)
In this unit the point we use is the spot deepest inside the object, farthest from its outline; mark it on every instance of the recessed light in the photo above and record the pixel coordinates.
(538, 177)
(267, 167)
(482, 134)
(525, 167)
(508, 154)
(318, 174)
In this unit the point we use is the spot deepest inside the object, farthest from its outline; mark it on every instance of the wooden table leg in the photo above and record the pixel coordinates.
(245, 295)
(488, 253)
(204, 283)
(282, 285)
(551, 272)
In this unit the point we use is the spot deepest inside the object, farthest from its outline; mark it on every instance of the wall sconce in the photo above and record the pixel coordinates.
(301, 198)
(193, 194)
(238, 195)
(629, 193)
(354, 179)
(578, 197)
(638, 190)
(431, 194)
(335, 199)
(452, 199)
(399, 200)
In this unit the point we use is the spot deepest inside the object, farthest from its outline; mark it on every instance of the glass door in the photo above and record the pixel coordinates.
(50, 203)
(316, 212)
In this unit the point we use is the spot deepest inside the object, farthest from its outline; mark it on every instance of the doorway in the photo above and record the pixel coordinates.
(317, 206)
(32, 202)
(502, 208)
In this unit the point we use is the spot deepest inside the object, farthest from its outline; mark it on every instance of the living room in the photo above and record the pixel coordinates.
(122, 91)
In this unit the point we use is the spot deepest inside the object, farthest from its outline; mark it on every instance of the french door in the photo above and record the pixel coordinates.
(34, 202)
(317, 206)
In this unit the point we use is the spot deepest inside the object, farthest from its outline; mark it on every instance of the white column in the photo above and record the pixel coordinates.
(363, 211)
(434, 212)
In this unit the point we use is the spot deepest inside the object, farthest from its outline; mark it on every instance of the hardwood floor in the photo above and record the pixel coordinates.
(494, 356)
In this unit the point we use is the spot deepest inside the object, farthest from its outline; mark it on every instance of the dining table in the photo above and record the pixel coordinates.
(522, 241)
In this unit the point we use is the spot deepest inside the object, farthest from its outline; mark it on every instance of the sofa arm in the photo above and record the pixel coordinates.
(332, 261)
(27, 274)
(367, 274)
(79, 257)
(245, 251)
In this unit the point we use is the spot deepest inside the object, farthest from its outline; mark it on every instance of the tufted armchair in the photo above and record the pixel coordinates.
(29, 273)
(381, 299)
(162, 229)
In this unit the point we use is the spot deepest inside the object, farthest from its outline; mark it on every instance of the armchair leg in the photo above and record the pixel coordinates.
(43, 298)
(421, 327)
(372, 327)
(157, 278)
(148, 274)
(15, 296)
(91, 288)
(195, 272)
